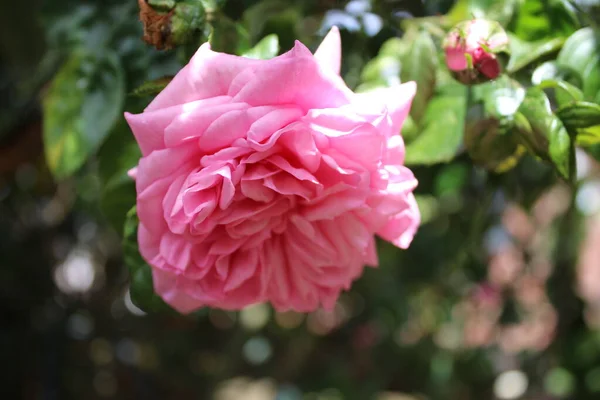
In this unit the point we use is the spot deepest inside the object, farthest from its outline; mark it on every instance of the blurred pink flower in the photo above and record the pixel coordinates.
(266, 180)
(551, 205)
(505, 266)
(518, 223)
(530, 291)
(535, 333)
(480, 313)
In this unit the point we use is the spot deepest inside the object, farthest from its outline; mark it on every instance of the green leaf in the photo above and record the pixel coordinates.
(580, 114)
(268, 47)
(490, 135)
(162, 5)
(410, 130)
(383, 69)
(500, 11)
(581, 53)
(212, 5)
(552, 70)
(523, 53)
(563, 92)
(141, 286)
(541, 19)
(394, 47)
(587, 137)
(547, 138)
(583, 119)
(116, 157)
(419, 64)
(368, 86)
(274, 16)
(442, 128)
(229, 37)
(189, 23)
(152, 88)
(83, 103)
(428, 207)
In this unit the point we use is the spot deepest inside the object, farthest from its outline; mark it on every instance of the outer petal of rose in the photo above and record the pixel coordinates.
(196, 117)
(329, 53)
(401, 229)
(397, 100)
(371, 257)
(165, 285)
(153, 179)
(148, 128)
(168, 127)
(208, 74)
(148, 243)
(295, 79)
(361, 141)
(164, 164)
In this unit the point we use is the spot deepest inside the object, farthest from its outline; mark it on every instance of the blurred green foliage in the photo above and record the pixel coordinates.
(498, 296)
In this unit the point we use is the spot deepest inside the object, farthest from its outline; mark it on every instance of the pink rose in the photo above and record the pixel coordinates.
(266, 180)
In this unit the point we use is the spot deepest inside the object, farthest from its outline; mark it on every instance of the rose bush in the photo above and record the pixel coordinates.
(266, 180)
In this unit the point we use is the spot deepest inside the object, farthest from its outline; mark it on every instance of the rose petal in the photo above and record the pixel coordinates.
(208, 74)
(329, 53)
(296, 79)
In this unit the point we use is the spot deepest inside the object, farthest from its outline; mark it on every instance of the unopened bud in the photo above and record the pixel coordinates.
(473, 49)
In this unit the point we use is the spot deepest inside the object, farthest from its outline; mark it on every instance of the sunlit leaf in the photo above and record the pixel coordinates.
(552, 70)
(542, 19)
(548, 138)
(584, 119)
(442, 126)
(268, 47)
(229, 37)
(419, 64)
(581, 52)
(500, 11)
(590, 136)
(580, 114)
(410, 130)
(394, 47)
(428, 207)
(490, 135)
(383, 69)
(523, 53)
(563, 92)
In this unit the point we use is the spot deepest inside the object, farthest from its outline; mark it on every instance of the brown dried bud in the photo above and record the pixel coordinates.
(168, 23)
(157, 26)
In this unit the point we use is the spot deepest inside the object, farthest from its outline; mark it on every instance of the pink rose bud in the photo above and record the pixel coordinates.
(472, 50)
(267, 180)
